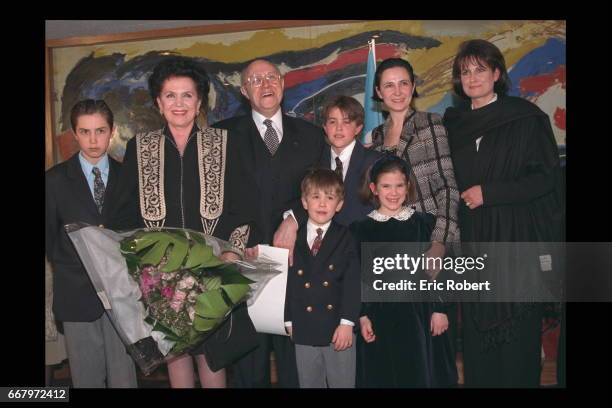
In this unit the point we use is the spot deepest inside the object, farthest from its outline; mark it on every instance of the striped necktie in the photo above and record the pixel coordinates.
(316, 245)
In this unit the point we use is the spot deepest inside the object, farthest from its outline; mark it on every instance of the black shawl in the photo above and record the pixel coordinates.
(517, 166)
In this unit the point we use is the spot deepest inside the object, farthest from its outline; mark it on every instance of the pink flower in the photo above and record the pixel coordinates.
(177, 300)
(148, 281)
(167, 292)
(149, 269)
(186, 283)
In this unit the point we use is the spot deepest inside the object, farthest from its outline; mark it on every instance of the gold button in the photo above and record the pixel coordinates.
(300, 272)
(101, 225)
(309, 309)
(331, 267)
(307, 285)
(330, 307)
(326, 283)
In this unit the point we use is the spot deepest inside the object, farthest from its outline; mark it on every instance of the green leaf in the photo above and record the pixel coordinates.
(155, 254)
(131, 261)
(211, 304)
(236, 292)
(126, 246)
(193, 335)
(231, 275)
(198, 254)
(177, 253)
(203, 324)
(142, 243)
(212, 282)
(139, 241)
(212, 262)
(198, 238)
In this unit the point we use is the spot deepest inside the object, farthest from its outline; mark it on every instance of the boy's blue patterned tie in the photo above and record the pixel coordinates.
(98, 188)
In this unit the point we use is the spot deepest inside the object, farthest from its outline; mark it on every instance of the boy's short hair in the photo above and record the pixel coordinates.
(347, 105)
(324, 179)
(90, 107)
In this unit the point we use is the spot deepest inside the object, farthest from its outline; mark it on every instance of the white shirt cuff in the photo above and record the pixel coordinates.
(289, 213)
(343, 321)
(288, 324)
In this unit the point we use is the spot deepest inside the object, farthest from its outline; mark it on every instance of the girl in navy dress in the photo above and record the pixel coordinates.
(404, 344)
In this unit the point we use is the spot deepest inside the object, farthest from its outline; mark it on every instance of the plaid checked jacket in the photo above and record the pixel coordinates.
(424, 145)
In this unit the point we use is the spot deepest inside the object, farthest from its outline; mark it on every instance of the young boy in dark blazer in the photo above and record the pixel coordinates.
(343, 121)
(323, 288)
(78, 190)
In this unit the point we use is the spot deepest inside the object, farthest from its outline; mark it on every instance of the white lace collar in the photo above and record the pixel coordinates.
(403, 215)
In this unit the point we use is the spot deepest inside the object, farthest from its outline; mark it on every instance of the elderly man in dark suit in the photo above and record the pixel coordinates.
(276, 150)
(78, 190)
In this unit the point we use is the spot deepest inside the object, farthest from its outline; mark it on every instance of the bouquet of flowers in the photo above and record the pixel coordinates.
(164, 290)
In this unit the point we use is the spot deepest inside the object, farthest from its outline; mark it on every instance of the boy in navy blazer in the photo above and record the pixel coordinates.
(322, 302)
(343, 121)
(78, 190)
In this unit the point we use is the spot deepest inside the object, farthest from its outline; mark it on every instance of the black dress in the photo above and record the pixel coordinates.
(517, 167)
(404, 354)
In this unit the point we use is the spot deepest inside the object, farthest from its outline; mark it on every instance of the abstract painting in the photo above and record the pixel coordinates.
(318, 61)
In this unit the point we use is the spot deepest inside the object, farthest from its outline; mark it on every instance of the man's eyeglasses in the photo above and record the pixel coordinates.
(258, 79)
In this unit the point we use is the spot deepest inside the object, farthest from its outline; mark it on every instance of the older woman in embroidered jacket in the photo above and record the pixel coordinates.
(185, 176)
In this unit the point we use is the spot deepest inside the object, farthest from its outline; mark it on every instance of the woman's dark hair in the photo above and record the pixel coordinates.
(180, 67)
(90, 107)
(483, 53)
(392, 63)
(388, 163)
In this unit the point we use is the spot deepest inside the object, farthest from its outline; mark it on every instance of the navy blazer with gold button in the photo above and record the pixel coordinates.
(323, 289)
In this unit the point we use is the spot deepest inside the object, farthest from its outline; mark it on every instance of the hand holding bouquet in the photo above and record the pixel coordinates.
(164, 290)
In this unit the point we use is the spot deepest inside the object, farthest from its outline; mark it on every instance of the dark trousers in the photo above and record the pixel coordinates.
(516, 364)
(253, 370)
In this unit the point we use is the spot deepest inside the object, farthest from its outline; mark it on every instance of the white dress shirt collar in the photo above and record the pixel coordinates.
(345, 157)
(404, 214)
(277, 123)
(493, 99)
(311, 231)
(102, 164)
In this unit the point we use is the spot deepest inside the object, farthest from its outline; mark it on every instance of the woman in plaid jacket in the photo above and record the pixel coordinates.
(420, 139)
